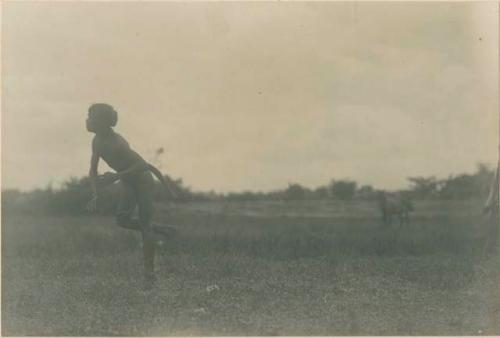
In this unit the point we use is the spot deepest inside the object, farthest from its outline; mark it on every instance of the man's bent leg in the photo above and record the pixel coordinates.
(126, 222)
(149, 253)
(145, 204)
(126, 207)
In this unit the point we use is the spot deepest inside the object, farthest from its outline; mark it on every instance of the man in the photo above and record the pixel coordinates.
(136, 177)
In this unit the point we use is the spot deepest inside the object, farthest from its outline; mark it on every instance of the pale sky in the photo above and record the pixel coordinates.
(253, 95)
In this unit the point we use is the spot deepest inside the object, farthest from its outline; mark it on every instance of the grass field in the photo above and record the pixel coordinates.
(259, 268)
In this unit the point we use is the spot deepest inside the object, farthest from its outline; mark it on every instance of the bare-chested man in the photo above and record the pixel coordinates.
(135, 175)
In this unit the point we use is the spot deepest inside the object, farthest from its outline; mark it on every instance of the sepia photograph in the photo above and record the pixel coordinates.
(253, 168)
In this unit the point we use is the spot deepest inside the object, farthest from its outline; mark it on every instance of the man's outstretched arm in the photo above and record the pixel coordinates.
(94, 161)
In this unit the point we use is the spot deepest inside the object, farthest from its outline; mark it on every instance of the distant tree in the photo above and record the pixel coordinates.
(343, 189)
(483, 177)
(276, 195)
(295, 192)
(466, 185)
(454, 187)
(366, 192)
(321, 193)
(424, 187)
(457, 187)
(11, 195)
(11, 199)
(243, 196)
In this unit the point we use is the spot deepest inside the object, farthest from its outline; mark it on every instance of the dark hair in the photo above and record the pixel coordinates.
(105, 113)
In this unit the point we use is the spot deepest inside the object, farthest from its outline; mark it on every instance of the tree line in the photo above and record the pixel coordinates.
(72, 196)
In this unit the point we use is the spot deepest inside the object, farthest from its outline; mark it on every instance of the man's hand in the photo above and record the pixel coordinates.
(170, 190)
(108, 178)
(92, 204)
(175, 196)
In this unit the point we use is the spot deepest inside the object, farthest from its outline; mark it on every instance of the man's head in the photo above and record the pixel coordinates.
(101, 116)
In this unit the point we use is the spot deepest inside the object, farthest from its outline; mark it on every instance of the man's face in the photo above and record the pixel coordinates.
(91, 123)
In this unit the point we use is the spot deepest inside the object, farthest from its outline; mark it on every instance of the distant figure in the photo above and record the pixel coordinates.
(135, 176)
(491, 210)
(394, 204)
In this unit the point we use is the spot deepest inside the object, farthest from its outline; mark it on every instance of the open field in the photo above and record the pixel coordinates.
(295, 268)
